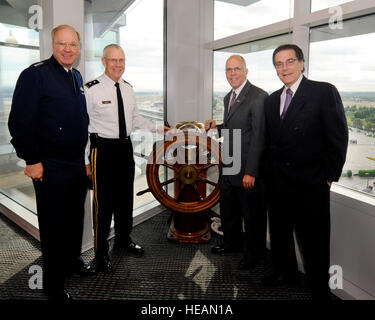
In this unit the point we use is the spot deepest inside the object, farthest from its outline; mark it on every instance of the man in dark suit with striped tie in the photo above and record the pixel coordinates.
(242, 192)
(306, 143)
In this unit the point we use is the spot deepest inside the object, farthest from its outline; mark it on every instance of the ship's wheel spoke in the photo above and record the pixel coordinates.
(197, 192)
(209, 182)
(207, 166)
(179, 192)
(169, 166)
(168, 182)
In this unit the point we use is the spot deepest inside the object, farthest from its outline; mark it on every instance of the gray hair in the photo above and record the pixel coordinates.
(112, 45)
(61, 27)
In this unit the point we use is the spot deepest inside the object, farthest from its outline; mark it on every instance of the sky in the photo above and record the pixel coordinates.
(142, 40)
(346, 62)
(144, 53)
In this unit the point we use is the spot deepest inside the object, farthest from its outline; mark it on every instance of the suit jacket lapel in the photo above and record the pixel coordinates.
(297, 103)
(238, 101)
(275, 109)
(226, 106)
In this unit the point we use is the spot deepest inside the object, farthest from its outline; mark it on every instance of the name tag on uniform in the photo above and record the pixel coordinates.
(106, 102)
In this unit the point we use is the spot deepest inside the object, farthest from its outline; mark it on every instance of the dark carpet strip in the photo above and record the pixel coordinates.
(167, 271)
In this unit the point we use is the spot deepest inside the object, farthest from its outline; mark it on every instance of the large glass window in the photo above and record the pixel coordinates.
(139, 30)
(19, 48)
(323, 4)
(234, 16)
(344, 57)
(258, 56)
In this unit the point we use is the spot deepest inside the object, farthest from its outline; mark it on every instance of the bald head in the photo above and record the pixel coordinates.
(236, 71)
(238, 58)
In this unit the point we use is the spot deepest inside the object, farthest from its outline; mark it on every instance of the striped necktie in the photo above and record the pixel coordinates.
(232, 101)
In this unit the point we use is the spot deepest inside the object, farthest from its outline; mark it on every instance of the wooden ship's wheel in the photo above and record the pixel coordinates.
(182, 173)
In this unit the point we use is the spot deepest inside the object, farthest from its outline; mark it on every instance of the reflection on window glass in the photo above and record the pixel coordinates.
(323, 4)
(143, 46)
(236, 16)
(346, 63)
(15, 55)
(258, 56)
(18, 35)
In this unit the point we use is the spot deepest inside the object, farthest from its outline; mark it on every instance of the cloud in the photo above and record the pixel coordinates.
(346, 62)
(142, 40)
(231, 19)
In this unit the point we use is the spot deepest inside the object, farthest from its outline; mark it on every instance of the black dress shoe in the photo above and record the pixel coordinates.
(82, 269)
(134, 248)
(248, 263)
(104, 265)
(222, 248)
(85, 270)
(275, 280)
(62, 295)
(78, 266)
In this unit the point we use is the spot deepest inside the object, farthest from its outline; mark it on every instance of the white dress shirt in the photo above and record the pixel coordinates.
(102, 108)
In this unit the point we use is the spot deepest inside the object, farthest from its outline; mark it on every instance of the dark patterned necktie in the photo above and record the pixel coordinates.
(72, 79)
(121, 113)
(232, 101)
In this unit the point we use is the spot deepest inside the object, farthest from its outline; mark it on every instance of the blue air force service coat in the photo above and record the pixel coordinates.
(48, 117)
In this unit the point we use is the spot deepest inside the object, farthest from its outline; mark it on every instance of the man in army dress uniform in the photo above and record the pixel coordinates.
(113, 113)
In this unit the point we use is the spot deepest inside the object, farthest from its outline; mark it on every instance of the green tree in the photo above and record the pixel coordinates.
(349, 121)
(366, 173)
(357, 123)
(369, 126)
(349, 173)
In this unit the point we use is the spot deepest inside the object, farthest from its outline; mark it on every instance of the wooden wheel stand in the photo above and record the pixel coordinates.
(190, 202)
(190, 227)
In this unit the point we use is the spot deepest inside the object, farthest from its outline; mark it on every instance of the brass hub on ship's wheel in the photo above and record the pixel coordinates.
(188, 175)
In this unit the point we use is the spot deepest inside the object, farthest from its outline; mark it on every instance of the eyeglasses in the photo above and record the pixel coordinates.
(230, 70)
(115, 61)
(63, 45)
(288, 63)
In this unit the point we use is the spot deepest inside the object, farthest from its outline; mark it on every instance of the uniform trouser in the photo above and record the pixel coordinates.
(237, 203)
(113, 170)
(60, 199)
(307, 212)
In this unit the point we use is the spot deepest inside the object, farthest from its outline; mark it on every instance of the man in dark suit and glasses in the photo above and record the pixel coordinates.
(306, 143)
(242, 193)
